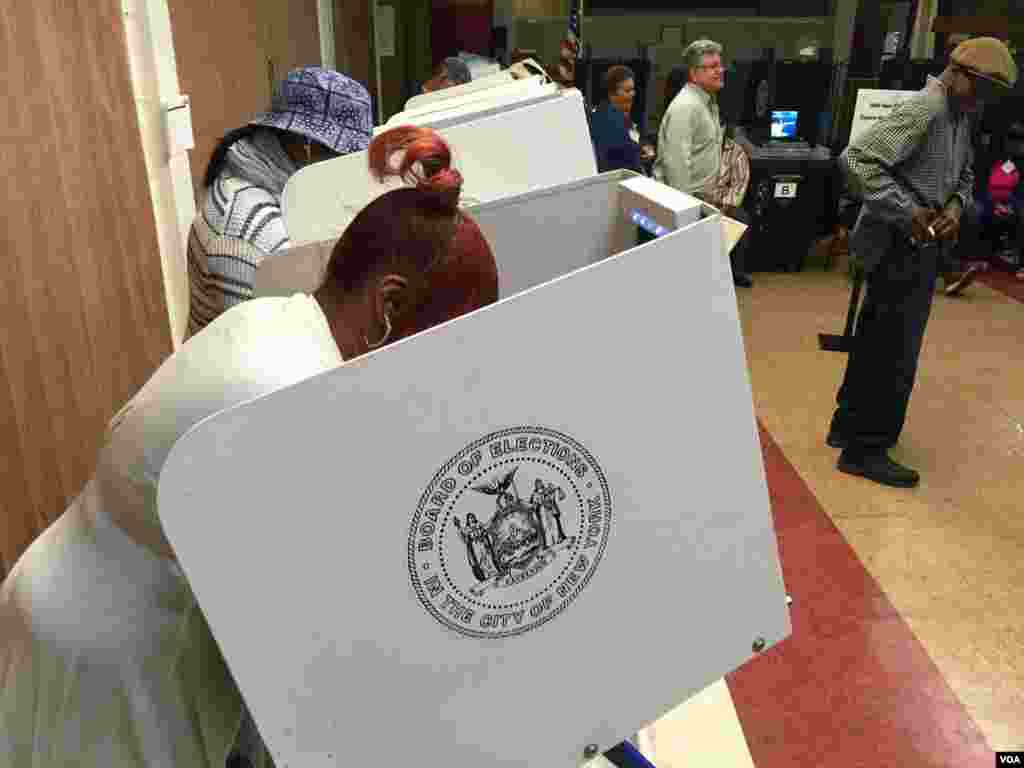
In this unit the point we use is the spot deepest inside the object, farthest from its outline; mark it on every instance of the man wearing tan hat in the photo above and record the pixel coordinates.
(914, 171)
(956, 273)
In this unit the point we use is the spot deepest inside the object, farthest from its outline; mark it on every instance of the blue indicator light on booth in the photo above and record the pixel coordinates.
(648, 224)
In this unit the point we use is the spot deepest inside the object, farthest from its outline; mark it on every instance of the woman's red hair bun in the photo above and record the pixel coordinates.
(426, 164)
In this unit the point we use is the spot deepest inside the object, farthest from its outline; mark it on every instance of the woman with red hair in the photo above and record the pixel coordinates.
(423, 259)
(106, 658)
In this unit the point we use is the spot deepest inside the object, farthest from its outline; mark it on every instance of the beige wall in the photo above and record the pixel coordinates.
(742, 36)
(843, 22)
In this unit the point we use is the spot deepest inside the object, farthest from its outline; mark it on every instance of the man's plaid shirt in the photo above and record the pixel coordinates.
(922, 145)
(919, 155)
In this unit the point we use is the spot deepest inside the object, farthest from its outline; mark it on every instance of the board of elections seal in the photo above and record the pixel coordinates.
(509, 532)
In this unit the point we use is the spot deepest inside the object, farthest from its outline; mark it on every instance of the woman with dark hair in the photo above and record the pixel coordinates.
(615, 137)
(106, 658)
(317, 114)
(449, 73)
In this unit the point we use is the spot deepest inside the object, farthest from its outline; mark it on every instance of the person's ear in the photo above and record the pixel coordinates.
(392, 299)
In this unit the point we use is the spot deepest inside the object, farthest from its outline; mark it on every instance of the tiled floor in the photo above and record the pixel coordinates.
(908, 646)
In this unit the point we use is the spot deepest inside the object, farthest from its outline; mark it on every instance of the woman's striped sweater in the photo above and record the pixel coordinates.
(239, 225)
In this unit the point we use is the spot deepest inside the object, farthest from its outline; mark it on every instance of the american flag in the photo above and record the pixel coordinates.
(572, 45)
(573, 35)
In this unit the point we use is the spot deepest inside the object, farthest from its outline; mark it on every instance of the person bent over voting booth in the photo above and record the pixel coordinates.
(317, 114)
(914, 171)
(106, 659)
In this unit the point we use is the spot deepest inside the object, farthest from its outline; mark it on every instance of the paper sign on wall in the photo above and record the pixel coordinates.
(872, 105)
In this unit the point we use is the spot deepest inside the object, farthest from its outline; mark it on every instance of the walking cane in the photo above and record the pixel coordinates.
(830, 342)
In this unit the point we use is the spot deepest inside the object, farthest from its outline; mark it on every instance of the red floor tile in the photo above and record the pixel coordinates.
(852, 687)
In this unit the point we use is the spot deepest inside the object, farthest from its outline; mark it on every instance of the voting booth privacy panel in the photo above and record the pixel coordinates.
(514, 150)
(583, 221)
(460, 111)
(456, 91)
(504, 92)
(484, 545)
(521, 70)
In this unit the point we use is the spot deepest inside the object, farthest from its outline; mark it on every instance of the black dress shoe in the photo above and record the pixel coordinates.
(742, 280)
(879, 468)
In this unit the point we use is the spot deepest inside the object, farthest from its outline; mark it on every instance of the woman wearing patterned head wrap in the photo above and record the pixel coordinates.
(317, 114)
(106, 658)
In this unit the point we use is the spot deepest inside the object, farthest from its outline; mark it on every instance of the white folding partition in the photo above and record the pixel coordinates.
(585, 221)
(516, 150)
(518, 93)
(481, 84)
(520, 71)
(532, 529)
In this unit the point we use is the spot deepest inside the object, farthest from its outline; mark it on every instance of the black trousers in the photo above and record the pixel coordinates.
(880, 372)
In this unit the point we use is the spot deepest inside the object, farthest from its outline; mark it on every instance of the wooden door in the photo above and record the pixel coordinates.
(232, 54)
(353, 32)
(410, 65)
(222, 66)
(83, 320)
(291, 35)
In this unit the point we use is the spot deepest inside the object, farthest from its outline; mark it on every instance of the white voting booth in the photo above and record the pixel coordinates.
(522, 70)
(456, 91)
(529, 90)
(519, 229)
(499, 153)
(515, 539)
(504, 77)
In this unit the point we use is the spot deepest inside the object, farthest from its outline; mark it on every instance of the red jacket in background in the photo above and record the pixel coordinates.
(1003, 181)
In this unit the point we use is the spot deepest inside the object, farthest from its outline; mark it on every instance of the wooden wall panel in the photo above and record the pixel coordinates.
(83, 321)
